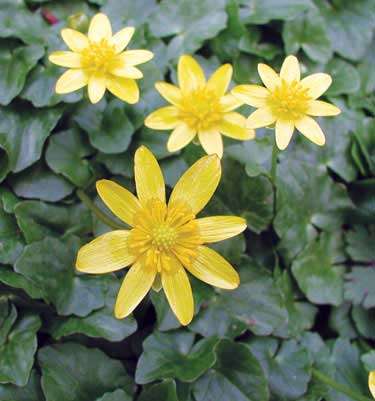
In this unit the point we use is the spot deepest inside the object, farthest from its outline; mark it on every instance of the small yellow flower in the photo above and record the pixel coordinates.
(199, 107)
(100, 62)
(165, 237)
(371, 383)
(288, 102)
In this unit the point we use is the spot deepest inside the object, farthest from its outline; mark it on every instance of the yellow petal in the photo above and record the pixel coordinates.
(169, 92)
(100, 28)
(105, 254)
(126, 71)
(253, 95)
(119, 200)
(233, 125)
(219, 228)
(190, 74)
(229, 102)
(290, 70)
(71, 81)
(283, 132)
(75, 40)
(66, 59)
(198, 183)
(96, 87)
(268, 76)
(122, 38)
(260, 118)
(213, 269)
(137, 283)
(148, 176)
(164, 118)
(135, 57)
(320, 108)
(316, 84)
(311, 130)
(211, 141)
(180, 137)
(220, 79)
(177, 289)
(125, 89)
(371, 383)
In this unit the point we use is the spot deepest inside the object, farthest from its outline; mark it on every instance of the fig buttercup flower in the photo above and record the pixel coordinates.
(371, 383)
(165, 238)
(288, 102)
(199, 108)
(100, 62)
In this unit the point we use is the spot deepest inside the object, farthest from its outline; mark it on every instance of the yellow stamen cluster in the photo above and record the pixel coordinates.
(98, 56)
(200, 109)
(161, 231)
(289, 100)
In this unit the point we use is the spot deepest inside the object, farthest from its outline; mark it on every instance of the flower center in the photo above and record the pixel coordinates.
(162, 233)
(289, 101)
(97, 56)
(200, 109)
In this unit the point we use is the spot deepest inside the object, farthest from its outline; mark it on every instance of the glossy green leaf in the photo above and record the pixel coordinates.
(32, 391)
(359, 287)
(165, 391)
(11, 242)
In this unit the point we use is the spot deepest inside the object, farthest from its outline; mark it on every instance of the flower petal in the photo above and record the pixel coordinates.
(283, 132)
(177, 289)
(125, 89)
(122, 38)
(100, 28)
(260, 118)
(163, 118)
(169, 92)
(135, 57)
(75, 40)
(320, 108)
(148, 176)
(229, 102)
(371, 383)
(220, 79)
(126, 71)
(96, 87)
(190, 74)
(71, 81)
(253, 95)
(213, 269)
(290, 70)
(316, 84)
(180, 137)
(137, 283)
(233, 125)
(219, 228)
(268, 76)
(119, 200)
(311, 130)
(211, 141)
(105, 254)
(198, 183)
(65, 59)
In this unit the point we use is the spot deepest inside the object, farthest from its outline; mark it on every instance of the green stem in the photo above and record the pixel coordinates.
(98, 212)
(275, 152)
(339, 387)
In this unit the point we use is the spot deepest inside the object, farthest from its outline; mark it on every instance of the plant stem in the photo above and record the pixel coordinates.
(98, 212)
(339, 387)
(275, 152)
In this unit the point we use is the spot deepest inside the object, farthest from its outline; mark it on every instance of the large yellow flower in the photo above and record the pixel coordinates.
(371, 383)
(100, 62)
(165, 237)
(288, 102)
(199, 107)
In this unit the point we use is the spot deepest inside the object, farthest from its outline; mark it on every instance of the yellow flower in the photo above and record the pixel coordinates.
(100, 62)
(199, 107)
(288, 102)
(371, 383)
(165, 237)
